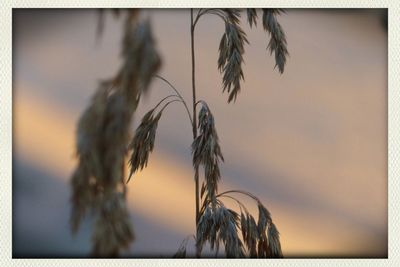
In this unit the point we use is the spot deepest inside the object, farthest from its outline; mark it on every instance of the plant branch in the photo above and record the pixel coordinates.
(162, 100)
(241, 205)
(196, 168)
(214, 11)
(178, 94)
(241, 192)
(169, 102)
(201, 101)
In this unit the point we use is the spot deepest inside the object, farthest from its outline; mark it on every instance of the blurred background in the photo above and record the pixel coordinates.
(311, 143)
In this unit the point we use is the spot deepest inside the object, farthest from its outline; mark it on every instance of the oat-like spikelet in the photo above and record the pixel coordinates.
(220, 225)
(249, 233)
(277, 43)
(261, 238)
(143, 141)
(231, 47)
(252, 16)
(206, 150)
(231, 50)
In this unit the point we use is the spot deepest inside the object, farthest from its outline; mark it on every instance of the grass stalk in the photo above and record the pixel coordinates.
(196, 168)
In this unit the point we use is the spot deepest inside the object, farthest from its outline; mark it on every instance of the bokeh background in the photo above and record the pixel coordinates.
(311, 143)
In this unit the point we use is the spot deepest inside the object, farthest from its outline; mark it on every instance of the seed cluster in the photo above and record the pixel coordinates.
(261, 239)
(219, 224)
(231, 50)
(103, 133)
(231, 47)
(207, 152)
(252, 16)
(277, 44)
(143, 141)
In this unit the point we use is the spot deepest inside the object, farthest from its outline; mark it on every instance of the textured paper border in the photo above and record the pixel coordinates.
(6, 131)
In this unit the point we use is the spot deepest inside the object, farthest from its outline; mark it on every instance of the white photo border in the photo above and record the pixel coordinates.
(6, 7)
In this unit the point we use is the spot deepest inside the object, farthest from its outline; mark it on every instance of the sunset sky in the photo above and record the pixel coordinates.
(310, 143)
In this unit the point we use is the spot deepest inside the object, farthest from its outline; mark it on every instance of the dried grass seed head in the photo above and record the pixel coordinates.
(89, 155)
(143, 141)
(274, 243)
(82, 196)
(268, 240)
(277, 43)
(102, 138)
(141, 58)
(150, 60)
(220, 225)
(231, 47)
(260, 239)
(113, 230)
(231, 50)
(264, 218)
(206, 150)
(252, 16)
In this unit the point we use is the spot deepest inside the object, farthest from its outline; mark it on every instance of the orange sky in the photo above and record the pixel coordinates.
(311, 143)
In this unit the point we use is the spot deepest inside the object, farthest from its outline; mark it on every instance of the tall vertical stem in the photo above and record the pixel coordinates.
(196, 171)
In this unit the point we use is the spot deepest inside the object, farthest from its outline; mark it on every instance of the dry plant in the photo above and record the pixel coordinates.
(98, 183)
(103, 142)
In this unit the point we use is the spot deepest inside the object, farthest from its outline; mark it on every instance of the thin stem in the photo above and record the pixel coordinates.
(208, 11)
(196, 169)
(170, 85)
(240, 192)
(199, 14)
(169, 102)
(216, 13)
(241, 205)
(179, 95)
(193, 76)
(201, 101)
(162, 100)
